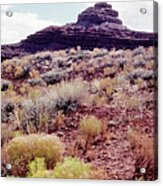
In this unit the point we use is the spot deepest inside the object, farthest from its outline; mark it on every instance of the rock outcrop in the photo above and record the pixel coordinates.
(97, 26)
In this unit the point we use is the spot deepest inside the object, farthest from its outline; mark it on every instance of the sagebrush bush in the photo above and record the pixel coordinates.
(39, 110)
(72, 168)
(29, 116)
(90, 127)
(5, 84)
(24, 149)
(7, 110)
(69, 95)
(37, 113)
(34, 82)
(53, 77)
(139, 51)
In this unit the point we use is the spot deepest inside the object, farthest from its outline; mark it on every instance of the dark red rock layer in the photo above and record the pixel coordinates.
(97, 26)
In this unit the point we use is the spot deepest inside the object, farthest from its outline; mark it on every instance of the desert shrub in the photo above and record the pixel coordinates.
(60, 119)
(33, 110)
(42, 56)
(135, 74)
(35, 114)
(143, 149)
(5, 84)
(53, 77)
(72, 168)
(69, 95)
(38, 112)
(138, 51)
(99, 52)
(29, 116)
(24, 89)
(22, 150)
(37, 169)
(105, 83)
(90, 127)
(141, 73)
(7, 110)
(8, 68)
(21, 71)
(139, 63)
(18, 72)
(6, 133)
(72, 51)
(34, 74)
(148, 74)
(35, 82)
(34, 93)
(121, 62)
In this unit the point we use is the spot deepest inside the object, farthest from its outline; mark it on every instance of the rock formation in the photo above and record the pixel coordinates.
(97, 26)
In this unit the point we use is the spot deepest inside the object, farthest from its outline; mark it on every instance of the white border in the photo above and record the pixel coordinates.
(56, 182)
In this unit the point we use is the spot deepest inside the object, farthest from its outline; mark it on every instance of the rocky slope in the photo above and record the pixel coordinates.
(97, 26)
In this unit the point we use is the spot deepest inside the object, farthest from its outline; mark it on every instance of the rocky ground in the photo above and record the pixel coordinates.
(118, 87)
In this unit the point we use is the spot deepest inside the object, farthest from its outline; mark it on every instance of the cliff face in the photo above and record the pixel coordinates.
(97, 26)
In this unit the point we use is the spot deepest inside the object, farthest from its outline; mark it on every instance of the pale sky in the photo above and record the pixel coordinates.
(29, 18)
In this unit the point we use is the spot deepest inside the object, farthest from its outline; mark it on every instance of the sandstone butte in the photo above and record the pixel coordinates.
(96, 27)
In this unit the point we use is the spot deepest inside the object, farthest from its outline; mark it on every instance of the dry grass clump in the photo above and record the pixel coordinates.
(22, 150)
(90, 127)
(143, 149)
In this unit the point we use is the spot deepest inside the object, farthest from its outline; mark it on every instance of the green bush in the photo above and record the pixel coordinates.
(37, 169)
(22, 150)
(72, 168)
